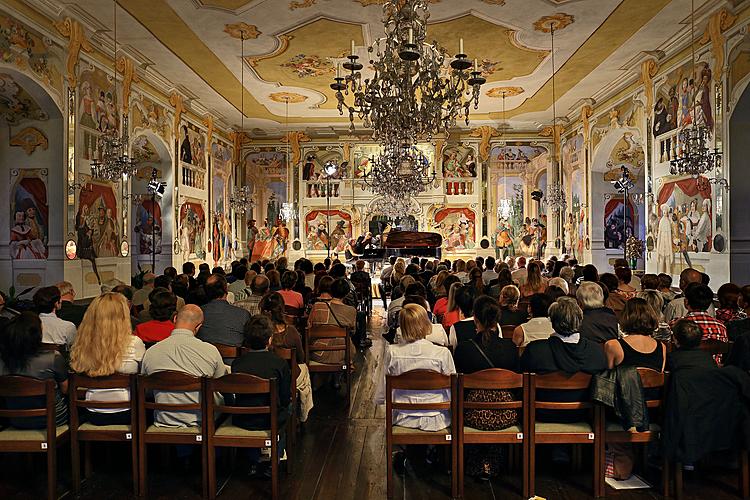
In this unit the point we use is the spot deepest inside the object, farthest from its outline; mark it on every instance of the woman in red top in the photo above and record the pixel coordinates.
(291, 298)
(441, 305)
(453, 314)
(162, 310)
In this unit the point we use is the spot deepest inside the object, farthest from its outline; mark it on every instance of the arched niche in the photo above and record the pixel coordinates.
(33, 176)
(151, 220)
(739, 222)
(619, 147)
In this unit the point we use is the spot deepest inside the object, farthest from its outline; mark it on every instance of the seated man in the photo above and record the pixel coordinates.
(223, 323)
(329, 309)
(47, 301)
(698, 299)
(69, 311)
(259, 288)
(182, 352)
(688, 354)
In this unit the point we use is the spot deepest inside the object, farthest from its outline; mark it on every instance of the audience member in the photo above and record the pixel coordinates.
(54, 330)
(560, 283)
(104, 346)
(487, 349)
(650, 282)
(599, 322)
(534, 282)
(615, 301)
(590, 273)
(740, 327)
(238, 285)
(21, 353)
(464, 328)
(510, 313)
(624, 277)
(698, 298)
(568, 274)
(438, 335)
(638, 348)
(476, 282)
(504, 278)
(141, 295)
(223, 323)
(183, 352)
(162, 310)
(688, 353)
(69, 311)
(665, 287)
(677, 307)
(291, 298)
(259, 288)
(729, 308)
(330, 310)
(539, 327)
(655, 299)
(453, 312)
(520, 273)
(274, 280)
(489, 274)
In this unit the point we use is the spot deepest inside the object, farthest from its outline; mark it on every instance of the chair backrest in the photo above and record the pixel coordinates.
(80, 383)
(16, 386)
(652, 379)
(507, 331)
(493, 379)
(241, 383)
(324, 332)
(227, 351)
(716, 346)
(168, 381)
(290, 356)
(45, 346)
(418, 380)
(560, 381)
(292, 311)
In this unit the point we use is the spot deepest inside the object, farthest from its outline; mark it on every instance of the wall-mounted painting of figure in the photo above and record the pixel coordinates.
(97, 223)
(684, 98)
(29, 232)
(147, 114)
(619, 224)
(193, 230)
(221, 226)
(362, 158)
(459, 162)
(271, 242)
(313, 174)
(458, 228)
(690, 204)
(316, 229)
(266, 162)
(192, 145)
(97, 109)
(148, 226)
(518, 157)
(572, 151)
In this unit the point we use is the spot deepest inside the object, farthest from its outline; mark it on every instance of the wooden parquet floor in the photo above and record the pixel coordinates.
(338, 456)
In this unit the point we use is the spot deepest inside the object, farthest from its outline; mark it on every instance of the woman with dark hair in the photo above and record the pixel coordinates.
(639, 321)
(590, 273)
(291, 298)
(504, 278)
(535, 283)
(624, 277)
(441, 305)
(510, 314)
(21, 354)
(476, 282)
(302, 288)
(729, 309)
(287, 336)
(274, 278)
(162, 310)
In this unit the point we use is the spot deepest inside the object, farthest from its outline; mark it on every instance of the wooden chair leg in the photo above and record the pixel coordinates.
(525, 470)
(52, 473)
(134, 462)
(389, 467)
(87, 467)
(75, 458)
(275, 470)
(142, 478)
(211, 469)
(205, 486)
(665, 477)
(597, 469)
(532, 471)
(744, 475)
(678, 480)
(454, 469)
(460, 469)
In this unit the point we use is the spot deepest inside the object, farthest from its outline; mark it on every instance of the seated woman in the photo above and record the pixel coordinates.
(105, 346)
(329, 309)
(291, 298)
(452, 312)
(464, 329)
(655, 299)
(510, 313)
(21, 354)
(504, 278)
(729, 309)
(639, 321)
(274, 279)
(476, 282)
(539, 327)
(437, 336)
(624, 277)
(162, 310)
(535, 282)
(287, 336)
(441, 304)
(301, 287)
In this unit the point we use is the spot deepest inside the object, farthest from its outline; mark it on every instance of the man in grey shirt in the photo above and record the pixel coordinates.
(259, 288)
(222, 322)
(182, 352)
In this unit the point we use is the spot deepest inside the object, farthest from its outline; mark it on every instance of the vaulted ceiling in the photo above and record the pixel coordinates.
(296, 45)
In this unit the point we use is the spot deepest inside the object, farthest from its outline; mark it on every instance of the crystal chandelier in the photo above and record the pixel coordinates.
(412, 94)
(400, 172)
(114, 163)
(395, 207)
(288, 213)
(504, 205)
(695, 157)
(241, 201)
(555, 198)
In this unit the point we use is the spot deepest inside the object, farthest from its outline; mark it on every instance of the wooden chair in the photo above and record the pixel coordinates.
(295, 317)
(45, 440)
(231, 436)
(290, 356)
(515, 435)
(53, 347)
(613, 432)
(582, 432)
(228, 352)
(169, 381)
(507, 331)
(329, 332)
(88, 432)
(420, 380)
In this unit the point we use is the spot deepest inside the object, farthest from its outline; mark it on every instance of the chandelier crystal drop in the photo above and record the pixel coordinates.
(395, 207)
(504, 208)
(412, 94)
(400, 172)
(241, 201)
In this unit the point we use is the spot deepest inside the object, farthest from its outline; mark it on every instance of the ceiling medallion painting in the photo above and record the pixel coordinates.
(367, 3)
(301, 5)
(500, 92)
(29, 139)
(290, 97)
(242, 30)
(16, 104)
(304, 65)
(495, 2)
(557, 22)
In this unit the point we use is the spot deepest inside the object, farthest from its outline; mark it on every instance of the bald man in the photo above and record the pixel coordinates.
(183, 352)
(677, 308)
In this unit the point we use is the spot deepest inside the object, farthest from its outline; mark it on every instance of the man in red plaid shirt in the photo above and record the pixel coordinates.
(698, 298)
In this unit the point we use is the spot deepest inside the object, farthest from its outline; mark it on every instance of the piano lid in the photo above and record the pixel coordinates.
(412, 239)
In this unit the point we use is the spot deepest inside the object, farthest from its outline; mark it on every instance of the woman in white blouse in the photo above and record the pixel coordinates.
(105, 345)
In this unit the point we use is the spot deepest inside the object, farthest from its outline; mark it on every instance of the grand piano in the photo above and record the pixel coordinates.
(406, 244)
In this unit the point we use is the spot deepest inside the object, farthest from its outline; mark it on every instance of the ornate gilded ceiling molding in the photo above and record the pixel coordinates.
(497, 92)
(283, 45)
(127, 68)
(73, 31)
(367, 3)
(495, 2)
(586, 113)
(242, 31)
(346, 149)
(717, 24)
(486, 133)
(208, 121)
(175, 100)
(555, 133)
(557, 22)
(29, 139)
(649, 68)
(294, 138)
(289, 97)
(301, 5)
(238, 139)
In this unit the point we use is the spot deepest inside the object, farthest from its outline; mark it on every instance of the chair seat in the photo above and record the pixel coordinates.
(151, 429)
(399, 430)
(513, 429)
(91, 427)
(227, 429)
(559, 427)
(337, 366)
(13, 434)
(617, 427)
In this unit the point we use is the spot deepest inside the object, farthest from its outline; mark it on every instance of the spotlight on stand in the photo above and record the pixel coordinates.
(537, 195)
(155, 187)
(624, 183)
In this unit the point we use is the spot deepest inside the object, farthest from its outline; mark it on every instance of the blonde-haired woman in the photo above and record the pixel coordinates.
(399, 269)
(535, 282)
(510, 313)
(105, 345)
